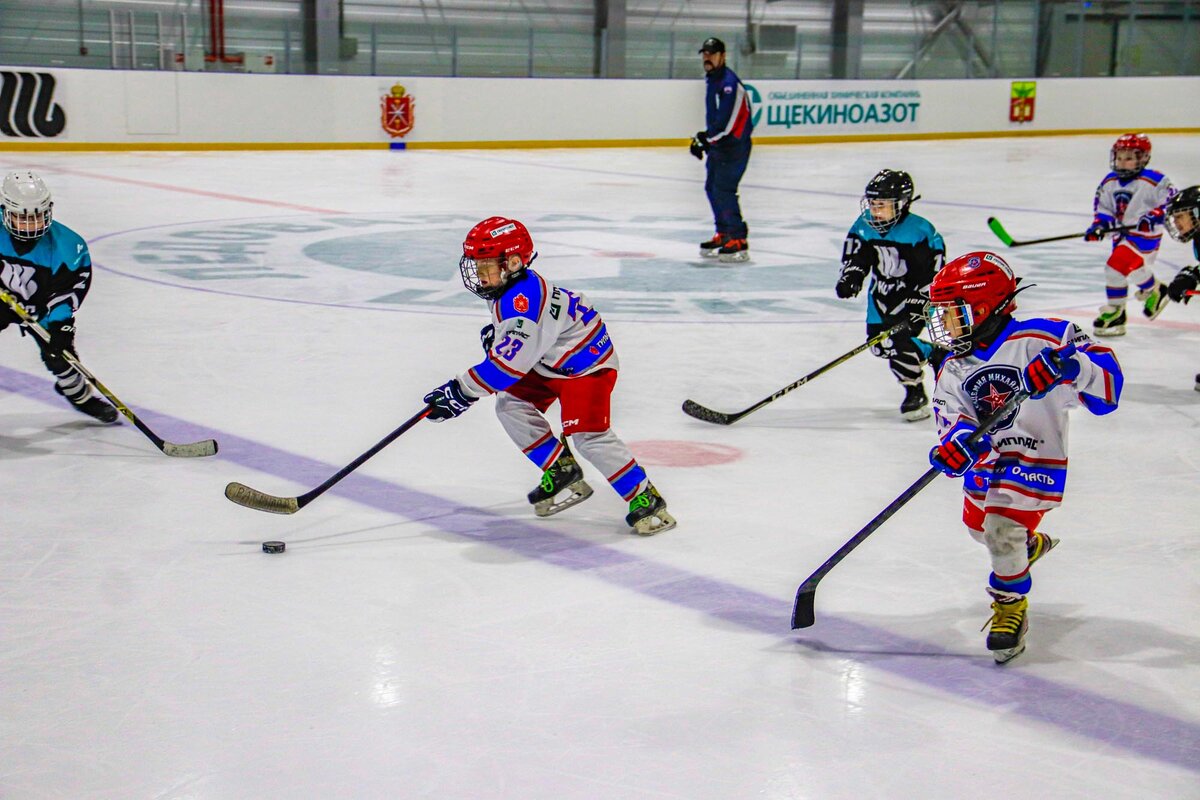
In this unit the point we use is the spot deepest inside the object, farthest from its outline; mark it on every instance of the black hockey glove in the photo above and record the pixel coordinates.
(699, 145)
(448, 401)
(913, 311)
(1186, 281)
(487, 337)
(62, 336)
(850, 282)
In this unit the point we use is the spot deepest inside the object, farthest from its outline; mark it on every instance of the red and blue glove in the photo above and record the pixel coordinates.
(448, 401)
(1098, 230)
(1049, 368)
(955, 456)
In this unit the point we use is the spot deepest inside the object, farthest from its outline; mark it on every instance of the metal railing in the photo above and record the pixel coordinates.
(900, 39)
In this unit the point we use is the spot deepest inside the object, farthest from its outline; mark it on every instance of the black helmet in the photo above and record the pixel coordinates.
(888, 184)
(1186, 202)
(712, 45)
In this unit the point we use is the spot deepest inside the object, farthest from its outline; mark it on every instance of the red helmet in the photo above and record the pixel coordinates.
(968, 292)
(495, 237)
(1139, 143)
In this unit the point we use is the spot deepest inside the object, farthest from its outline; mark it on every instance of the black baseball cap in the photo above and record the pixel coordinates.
(712, 45)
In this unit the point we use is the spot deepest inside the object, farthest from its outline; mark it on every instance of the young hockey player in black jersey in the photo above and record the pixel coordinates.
(901, 252)
(46, 267)
(1183, 223)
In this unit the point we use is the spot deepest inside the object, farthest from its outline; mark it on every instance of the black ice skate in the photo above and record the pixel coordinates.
(1111, 321)
(1037, 544)
(561, 487)
(916, 402)
(1154, 299)
(1009, 623)
(713, 246)
(648, 513)
(92, 406)
(1198, 383)
(734, 251)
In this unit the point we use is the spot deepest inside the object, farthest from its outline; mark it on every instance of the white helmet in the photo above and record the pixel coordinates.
(26, 205)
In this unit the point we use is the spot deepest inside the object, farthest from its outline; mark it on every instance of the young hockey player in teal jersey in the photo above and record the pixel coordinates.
(901, 252)
(46, 267)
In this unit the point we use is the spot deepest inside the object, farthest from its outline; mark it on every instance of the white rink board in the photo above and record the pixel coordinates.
(181, 107)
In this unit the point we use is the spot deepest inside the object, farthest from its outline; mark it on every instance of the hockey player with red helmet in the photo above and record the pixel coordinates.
(1018, 472)
(546, 344)
(1130, 194)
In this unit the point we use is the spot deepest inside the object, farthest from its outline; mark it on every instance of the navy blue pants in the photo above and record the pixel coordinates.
(726, 164)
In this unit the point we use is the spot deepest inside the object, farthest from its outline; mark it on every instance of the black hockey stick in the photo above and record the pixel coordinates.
(694, 409)
(803, 614)
(207, 447)
(1008, 240)
(243, 495)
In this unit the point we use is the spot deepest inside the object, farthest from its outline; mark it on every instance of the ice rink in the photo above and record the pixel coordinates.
(425, 636)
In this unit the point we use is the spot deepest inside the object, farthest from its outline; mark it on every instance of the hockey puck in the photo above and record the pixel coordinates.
(273, 547)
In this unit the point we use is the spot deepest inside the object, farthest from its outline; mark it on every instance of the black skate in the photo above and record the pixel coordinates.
(916, 403)
(93, 406)
(1198, 383)
(710, 248)
(1154, 299)
(734, 251)
(1037, 544)
(648, 513)
(1009, 623)
(1111, 321)
(561, 487)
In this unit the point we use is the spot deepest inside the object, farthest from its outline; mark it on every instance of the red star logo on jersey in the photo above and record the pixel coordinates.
(521, 303)
(995, 398)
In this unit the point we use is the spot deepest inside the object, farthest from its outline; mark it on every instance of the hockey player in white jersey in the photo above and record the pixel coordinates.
(1018, 472)
(546, 344)
(1130, 194)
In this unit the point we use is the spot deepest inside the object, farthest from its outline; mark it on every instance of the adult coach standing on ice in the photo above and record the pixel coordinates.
(726, 140)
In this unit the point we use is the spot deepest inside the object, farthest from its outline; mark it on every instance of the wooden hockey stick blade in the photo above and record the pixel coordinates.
(243, 495)
(694, 409)
(998, 229)
(207, 447)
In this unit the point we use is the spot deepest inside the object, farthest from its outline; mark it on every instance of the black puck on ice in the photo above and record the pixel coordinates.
(273, 547)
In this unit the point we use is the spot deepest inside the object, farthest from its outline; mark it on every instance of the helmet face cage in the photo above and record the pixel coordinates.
(26, 205)
(887, 185)
(468, 267)
(951, 325)
(1139, 144)
(1183, 215)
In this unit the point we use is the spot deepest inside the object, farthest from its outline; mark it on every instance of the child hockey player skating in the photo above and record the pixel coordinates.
(901, 252)
(1130, 195)
(545, 343)
(1018, 472)
(1183, 223)
(47, 268)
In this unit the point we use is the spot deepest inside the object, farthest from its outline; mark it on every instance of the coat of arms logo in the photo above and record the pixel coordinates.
(397, 108)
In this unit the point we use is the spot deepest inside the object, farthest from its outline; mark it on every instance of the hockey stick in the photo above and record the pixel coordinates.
(803, 614)
(243, 495)
(694, 409)
(1008, 240)
(207, 447)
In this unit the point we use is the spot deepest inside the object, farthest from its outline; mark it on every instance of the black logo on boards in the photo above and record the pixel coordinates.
(27, 106)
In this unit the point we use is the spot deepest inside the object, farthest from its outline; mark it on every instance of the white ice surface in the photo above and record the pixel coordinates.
(425, 636)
